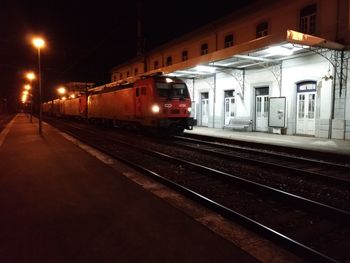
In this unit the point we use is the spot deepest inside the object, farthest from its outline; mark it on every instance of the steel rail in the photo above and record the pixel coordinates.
(280, 155)
(329, 178)
(334, 157)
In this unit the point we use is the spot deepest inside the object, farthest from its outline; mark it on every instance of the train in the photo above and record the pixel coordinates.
(157, 102)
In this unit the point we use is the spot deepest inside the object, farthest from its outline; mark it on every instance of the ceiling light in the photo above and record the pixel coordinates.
(207, 69)
(279, 51)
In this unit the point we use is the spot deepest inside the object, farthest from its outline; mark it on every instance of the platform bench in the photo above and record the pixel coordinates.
(239, 124)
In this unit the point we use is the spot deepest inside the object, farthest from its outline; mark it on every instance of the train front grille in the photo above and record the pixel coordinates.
(174, 111)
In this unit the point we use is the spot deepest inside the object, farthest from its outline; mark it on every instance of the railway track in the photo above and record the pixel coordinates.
(302, 165)
(279, 149)
(332, 190)
(297, 222)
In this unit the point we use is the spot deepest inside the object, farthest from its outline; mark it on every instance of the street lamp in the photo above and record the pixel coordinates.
(27, 87)
(30, 76)
(39, 43)
(25, 94)
(61, 90)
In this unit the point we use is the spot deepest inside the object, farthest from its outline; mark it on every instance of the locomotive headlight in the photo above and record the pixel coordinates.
(189, 109)
(155, 108)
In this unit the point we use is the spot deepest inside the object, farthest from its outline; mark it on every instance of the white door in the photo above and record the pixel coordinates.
(261, 113)
(205, 111)
(306, 105)
(229, 109)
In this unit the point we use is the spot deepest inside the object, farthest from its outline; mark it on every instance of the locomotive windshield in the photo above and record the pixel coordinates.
(172, 90)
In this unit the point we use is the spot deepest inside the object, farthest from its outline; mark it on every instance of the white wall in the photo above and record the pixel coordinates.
(312, 67)
(347, 104)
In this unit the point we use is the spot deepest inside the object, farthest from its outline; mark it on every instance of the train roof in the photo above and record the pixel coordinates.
(128, 81)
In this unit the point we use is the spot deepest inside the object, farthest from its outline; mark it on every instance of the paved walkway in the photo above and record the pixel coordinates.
(60, 204)
(318, 144)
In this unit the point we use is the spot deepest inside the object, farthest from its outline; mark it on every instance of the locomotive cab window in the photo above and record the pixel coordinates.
(172, 90)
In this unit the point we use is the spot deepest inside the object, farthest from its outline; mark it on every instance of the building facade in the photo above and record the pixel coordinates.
(275, 66)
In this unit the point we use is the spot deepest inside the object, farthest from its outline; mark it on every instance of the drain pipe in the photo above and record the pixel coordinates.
(194, 109)
(341, 86)
(333, 103)
(214, 104)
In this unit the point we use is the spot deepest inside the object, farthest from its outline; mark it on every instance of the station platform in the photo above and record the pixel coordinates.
(302, 142)
(60, 204)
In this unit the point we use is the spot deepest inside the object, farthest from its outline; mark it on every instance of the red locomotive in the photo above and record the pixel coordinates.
(149, 102)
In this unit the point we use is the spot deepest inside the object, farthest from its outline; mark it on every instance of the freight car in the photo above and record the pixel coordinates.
(158, 102)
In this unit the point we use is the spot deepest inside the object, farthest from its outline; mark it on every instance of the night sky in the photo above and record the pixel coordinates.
(85, 40)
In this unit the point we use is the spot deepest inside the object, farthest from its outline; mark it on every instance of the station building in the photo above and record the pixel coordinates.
(276, 66)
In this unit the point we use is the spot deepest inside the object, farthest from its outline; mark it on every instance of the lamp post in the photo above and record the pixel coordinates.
(30, 76)
(39, 43)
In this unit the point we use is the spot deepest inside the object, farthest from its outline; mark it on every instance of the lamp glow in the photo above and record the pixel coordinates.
(207, 69)
(279, 51)
(30, 76)
(38, 42)
(61, 90)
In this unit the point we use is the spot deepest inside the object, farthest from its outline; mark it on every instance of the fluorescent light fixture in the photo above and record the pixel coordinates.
(279, 51)
(202, 68)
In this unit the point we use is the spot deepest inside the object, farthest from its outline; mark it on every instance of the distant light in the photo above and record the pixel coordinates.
(24, 98)
(27, 87)
(63, 98)
(279, 51)
(25, 92)
(72, 96)
(169, 80)
(207, 69)
(61, 90)
(30, 76)
(38, 42)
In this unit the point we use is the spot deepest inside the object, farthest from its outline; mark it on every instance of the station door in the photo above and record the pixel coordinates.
(262, 109)
(230, 106)
(205, 108)
(306, 106)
